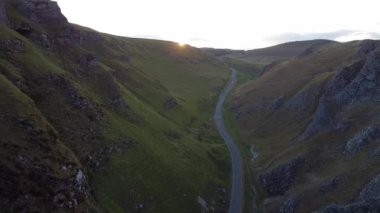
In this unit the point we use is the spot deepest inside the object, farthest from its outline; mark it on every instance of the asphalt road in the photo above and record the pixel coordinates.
(237, 191)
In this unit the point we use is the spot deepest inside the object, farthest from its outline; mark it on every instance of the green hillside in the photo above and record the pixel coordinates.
(96, 122)
(312, 121)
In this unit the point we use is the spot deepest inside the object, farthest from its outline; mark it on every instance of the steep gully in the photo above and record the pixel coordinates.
(236, 195)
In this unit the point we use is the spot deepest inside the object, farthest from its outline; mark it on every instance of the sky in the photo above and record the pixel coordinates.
(233, 24)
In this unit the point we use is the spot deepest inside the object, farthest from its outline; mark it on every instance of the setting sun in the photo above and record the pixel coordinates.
(181, 44)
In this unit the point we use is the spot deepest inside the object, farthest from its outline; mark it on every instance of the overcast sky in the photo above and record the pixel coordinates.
(235, 24)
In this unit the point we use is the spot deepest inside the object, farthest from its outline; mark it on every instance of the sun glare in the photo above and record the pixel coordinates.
(181, 44)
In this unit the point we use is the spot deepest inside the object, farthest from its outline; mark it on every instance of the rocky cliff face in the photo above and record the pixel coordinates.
(367, 201)
(44, 12)
(3, 15)
(353, 85)
(47, 14)
(279, 180)
(37, 171)
(324, 106)
(362, 139)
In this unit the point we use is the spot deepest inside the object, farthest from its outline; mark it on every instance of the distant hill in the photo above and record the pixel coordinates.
(254, 62)
(279, 52)
(221, 52)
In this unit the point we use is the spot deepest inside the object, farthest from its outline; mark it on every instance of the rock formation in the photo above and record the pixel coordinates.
(3, 15)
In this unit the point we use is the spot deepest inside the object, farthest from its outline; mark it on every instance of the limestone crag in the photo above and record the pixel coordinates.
(371, 190)
(28, 184)
(44, 12)
(280, 179)
(289, 206)
(353, 85)
(367, 201)
(47, 14)
(3, 15)
(362, 139)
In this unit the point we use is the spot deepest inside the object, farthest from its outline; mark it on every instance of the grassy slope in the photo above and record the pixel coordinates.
(172, 155)
(185, 76)
(27, 137)
(272, 132)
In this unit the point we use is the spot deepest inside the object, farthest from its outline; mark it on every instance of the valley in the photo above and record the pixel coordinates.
(94, 122)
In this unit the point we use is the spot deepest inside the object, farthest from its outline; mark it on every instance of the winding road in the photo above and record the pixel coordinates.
(236, 195)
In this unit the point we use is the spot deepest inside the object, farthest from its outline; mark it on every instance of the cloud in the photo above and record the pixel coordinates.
(341, 35)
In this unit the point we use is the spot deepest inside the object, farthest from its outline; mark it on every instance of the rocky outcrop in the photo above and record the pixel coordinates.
(305, 100)
(367, 47)
(330, 185)
(97, 159)
(90, 36)
(12, 46)
(371, 190)
(170, 103)
(376, 152)
(44, 12)
(3, 15)
(277, 103)
(353, 85)
(87, 60)
(22, 27)
(92, 110)
(280, 179)
(367, 201)
(47, 14)
(289, 205)
(49, 177)
(370, 206)
(362, 139)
